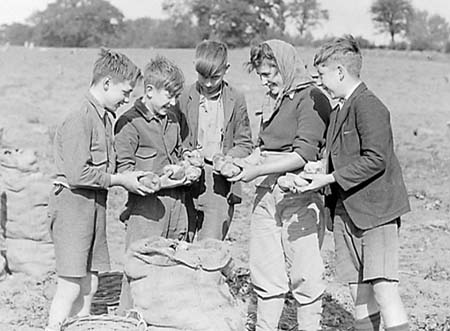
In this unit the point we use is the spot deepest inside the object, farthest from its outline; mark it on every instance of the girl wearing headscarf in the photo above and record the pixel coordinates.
(286, 227)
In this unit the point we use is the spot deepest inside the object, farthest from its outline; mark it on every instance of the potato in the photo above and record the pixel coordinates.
(229, 170)
(299, 181)
(174, 171)
(218, 162)
(194, 158)
(286, 183)
(193, 173)
(151, 181)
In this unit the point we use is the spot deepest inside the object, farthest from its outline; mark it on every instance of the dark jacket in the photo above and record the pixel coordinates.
(237, 139)
(360, 153)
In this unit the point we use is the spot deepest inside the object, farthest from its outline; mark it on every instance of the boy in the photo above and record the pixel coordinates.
(214, 119)
(147, 138)
(85, 162)
(284, 232)
(368, 194)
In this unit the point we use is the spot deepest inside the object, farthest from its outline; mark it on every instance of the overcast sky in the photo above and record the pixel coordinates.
(346, 16)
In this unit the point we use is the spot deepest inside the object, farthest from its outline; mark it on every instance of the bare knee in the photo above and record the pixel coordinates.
(386, 292)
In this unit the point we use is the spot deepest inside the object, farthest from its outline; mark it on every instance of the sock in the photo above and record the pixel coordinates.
(369, 323)
(401, 327)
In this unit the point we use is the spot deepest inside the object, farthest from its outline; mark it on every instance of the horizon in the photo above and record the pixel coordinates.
(346, 16)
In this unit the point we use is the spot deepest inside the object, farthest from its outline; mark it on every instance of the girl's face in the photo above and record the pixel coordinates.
(270, 77)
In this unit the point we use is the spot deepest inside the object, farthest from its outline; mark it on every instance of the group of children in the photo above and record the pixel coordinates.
(351, 145)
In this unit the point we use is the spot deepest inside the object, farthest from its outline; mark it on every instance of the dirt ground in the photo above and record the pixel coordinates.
(39, 86)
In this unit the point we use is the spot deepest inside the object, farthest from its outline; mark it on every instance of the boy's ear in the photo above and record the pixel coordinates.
(106, 83)
(341, 72)
(149, 88)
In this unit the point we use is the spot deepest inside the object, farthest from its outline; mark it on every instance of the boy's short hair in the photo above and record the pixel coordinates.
(344, 50)
(164, 74)
(259, 53)
(211, 57)
(116, 65)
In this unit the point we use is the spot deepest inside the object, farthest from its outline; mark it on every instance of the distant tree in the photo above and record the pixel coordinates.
(427, 32)
(147, 32)
(391, 16)
(78, 23)
(306, 14)
(235, 22)
(16, 33)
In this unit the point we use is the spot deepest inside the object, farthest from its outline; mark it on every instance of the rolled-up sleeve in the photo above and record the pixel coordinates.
(312, 124)
(78, 163)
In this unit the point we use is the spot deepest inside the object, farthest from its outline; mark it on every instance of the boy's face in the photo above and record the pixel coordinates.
(270, 77)
(159, 100)
(211, 85)
(330, 77)
(116, 93)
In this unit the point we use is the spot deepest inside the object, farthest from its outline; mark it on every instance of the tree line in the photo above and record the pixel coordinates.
(93, 23)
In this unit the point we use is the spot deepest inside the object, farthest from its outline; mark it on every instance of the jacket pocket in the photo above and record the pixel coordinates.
(98, 157)
(145, 158)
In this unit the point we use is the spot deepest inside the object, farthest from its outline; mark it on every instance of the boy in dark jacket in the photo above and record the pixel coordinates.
(367, 195)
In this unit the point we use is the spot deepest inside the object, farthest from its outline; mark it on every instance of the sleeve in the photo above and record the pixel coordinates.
(373, 128)
(75, 139)
(314, 111)
(242, 140)
(126, 143)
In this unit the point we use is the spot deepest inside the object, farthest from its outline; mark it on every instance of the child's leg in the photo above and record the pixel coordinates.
(267, 261)
(367, 314)
(67, 291)
(391, 305)
(89, 285)
(217, 212)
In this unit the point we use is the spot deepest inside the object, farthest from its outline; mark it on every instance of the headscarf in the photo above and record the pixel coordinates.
(292, 70)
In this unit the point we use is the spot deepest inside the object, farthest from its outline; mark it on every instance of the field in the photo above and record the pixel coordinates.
(38, 87)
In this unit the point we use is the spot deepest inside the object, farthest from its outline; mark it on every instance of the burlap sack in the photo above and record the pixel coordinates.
(34, 258)
(27, 201)
(179, 286)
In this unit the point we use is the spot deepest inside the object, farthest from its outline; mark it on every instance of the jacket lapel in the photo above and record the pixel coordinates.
(342, 114)
(228, 104)
(192, 114)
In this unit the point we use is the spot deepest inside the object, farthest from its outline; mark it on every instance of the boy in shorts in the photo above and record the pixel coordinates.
(147, 138)
(85, 163)
(214, 120)
(367, 194)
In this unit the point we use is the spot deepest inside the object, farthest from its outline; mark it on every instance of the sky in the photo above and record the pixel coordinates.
(346, 16)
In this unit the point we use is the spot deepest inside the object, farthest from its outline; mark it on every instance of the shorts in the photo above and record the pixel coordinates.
(365, 255)
(162, 215)
(78, 231)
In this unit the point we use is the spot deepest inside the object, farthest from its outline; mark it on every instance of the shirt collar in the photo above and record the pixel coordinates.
(145, 112)
(101, 111)
(349, 94)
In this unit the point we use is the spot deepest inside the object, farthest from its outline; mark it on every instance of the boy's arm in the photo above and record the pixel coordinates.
(242, 139)
(375, 134)
(271, 164)
(125, 143)
(75, 135)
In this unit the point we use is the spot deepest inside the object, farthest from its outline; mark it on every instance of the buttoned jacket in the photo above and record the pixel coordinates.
(360, 154)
